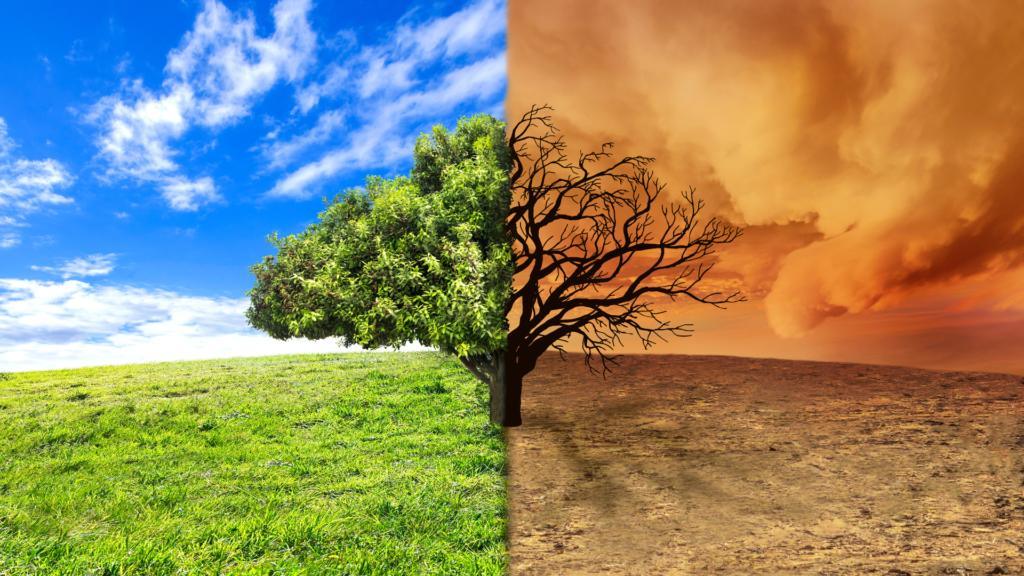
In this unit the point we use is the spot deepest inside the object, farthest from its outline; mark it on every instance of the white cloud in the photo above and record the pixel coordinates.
(184, 194)
(478, 80)
(309, 96)
(214, 77)
(77, 54)
(137, 135)
(222, 68)
(229, 65)
(121, 214)
(9, 239)
(92, 265)
(211, 145)
(122, 66)
(8, 221)
(281, 153)
(7, 144)
(25, 184)
(472, 29)
(381, 142)
(396, 88)
(466, 31)
(50, 325)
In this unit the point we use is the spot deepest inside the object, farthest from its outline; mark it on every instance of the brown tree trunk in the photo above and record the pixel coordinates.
(506, 390)
(496, 385)
(504, 379)
(511, 393)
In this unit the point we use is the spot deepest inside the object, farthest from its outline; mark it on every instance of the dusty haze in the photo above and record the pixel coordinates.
(872, 151)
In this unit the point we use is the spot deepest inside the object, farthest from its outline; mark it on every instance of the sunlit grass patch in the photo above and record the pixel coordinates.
(358, 463)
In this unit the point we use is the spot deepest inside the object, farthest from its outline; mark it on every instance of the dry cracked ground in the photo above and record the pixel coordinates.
(721, 465)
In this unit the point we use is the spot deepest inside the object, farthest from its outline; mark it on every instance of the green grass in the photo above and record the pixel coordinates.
(347, 464)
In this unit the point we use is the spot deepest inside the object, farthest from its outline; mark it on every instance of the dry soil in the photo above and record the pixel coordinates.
(721, 465)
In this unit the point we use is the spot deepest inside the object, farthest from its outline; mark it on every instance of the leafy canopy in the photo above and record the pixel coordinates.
(423, 257)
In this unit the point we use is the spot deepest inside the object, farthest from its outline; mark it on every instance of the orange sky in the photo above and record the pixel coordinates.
(873, 152)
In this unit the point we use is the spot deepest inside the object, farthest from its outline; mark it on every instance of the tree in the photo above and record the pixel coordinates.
(566, 224)
(432, 257)
(414, 258)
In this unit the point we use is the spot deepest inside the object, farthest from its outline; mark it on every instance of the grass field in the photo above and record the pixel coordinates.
(352, 463)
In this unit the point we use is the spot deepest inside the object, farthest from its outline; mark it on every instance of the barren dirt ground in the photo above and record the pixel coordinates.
(721, 465)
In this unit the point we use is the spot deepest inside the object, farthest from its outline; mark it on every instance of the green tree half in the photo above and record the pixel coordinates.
(423, 258)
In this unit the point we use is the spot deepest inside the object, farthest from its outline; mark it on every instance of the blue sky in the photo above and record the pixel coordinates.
(148, 149)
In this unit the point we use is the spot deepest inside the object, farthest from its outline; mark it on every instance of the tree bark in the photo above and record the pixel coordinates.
(512, 391)
(504, 379)
(498, 388)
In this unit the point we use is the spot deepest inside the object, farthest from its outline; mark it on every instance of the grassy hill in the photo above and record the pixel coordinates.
(349, 463)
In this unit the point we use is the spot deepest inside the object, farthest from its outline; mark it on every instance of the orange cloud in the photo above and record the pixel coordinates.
(873, 151)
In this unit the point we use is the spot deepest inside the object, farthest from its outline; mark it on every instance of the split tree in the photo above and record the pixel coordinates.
(431, 258)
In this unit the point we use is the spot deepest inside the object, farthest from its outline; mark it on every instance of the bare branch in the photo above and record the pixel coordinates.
(566, 228)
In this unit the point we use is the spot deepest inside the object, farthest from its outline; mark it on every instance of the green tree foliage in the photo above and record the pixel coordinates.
(423, 257)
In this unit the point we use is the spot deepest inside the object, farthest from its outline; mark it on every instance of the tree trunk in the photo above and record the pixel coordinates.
(505, 385)
(498, 389)
(504, 378)
(507, 393)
